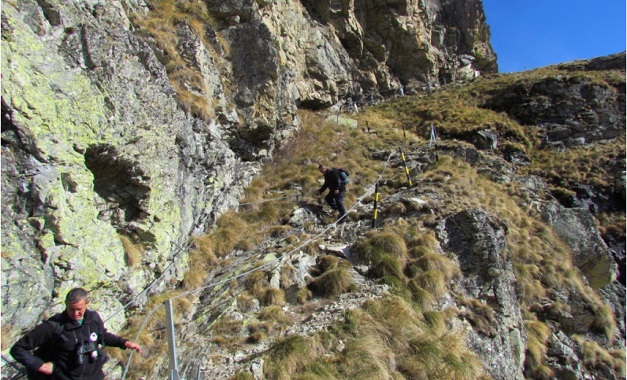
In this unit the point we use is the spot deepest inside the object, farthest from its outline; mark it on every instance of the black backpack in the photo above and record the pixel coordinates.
(344, 175)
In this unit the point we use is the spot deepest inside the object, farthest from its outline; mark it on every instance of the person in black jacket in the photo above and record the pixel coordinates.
(67, 345)
(337, 189)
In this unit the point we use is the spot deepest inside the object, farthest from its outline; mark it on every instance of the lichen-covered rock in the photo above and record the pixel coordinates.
(98, 150)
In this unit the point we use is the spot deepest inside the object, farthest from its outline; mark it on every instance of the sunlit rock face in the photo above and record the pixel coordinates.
(102, 145)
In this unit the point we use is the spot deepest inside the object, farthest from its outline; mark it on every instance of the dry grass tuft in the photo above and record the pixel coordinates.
(333, 282)
(604, 321)
(421, 297)
(286, 278)
(538, 335)
(480, 315)
(230, 230)
(302, 295)
(434, 262)
(273, 296)
(368, 357)
(256, 283)
(432, 281)
(134, 252)
(324, 263)
(201, 260)
(388, 266)
(287, 356)
(436, 321)
(274, 313)
(386, 242)
(596, 356)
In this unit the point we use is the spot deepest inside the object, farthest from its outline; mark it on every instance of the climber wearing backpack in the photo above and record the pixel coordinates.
(335, 180)
(67, 345)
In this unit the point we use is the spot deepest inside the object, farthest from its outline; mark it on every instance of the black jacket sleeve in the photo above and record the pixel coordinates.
(109, 339)
(22, 349)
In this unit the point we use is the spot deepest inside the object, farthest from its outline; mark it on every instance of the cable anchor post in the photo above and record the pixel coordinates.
(173, 369)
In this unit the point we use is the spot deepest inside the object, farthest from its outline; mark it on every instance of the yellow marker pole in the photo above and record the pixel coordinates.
(405, 165)
(376, 200)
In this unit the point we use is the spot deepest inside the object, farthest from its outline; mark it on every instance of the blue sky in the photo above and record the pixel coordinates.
(527, 34)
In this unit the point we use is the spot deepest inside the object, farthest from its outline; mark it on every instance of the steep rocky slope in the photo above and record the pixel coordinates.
(492, 236)
(129, 127)
(136, 123)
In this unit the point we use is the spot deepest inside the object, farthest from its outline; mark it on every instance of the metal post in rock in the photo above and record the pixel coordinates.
(405, 165)
(173, 370)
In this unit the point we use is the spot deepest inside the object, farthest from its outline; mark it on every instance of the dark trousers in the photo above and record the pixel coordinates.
(336, 201)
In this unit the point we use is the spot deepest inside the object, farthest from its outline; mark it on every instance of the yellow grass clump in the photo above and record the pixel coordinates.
(333, 282)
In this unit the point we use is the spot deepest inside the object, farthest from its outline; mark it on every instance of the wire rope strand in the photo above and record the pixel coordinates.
(128, 363)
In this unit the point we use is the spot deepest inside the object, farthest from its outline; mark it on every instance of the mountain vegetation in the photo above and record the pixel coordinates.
(164, 156)
(414, 329)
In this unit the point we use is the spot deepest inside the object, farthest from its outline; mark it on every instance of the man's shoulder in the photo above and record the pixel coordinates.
(92, 316)
(56, 323)
(58, 318)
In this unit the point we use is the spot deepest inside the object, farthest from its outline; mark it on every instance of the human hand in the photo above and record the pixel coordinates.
(46, 368)
(133, 345)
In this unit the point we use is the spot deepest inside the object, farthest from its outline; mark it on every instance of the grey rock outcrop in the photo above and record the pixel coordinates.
(570, 110)
(498, 335)
(577, 228)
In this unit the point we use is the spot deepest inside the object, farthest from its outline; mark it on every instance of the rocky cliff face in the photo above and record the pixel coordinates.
(129, 126)
(123, 132)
